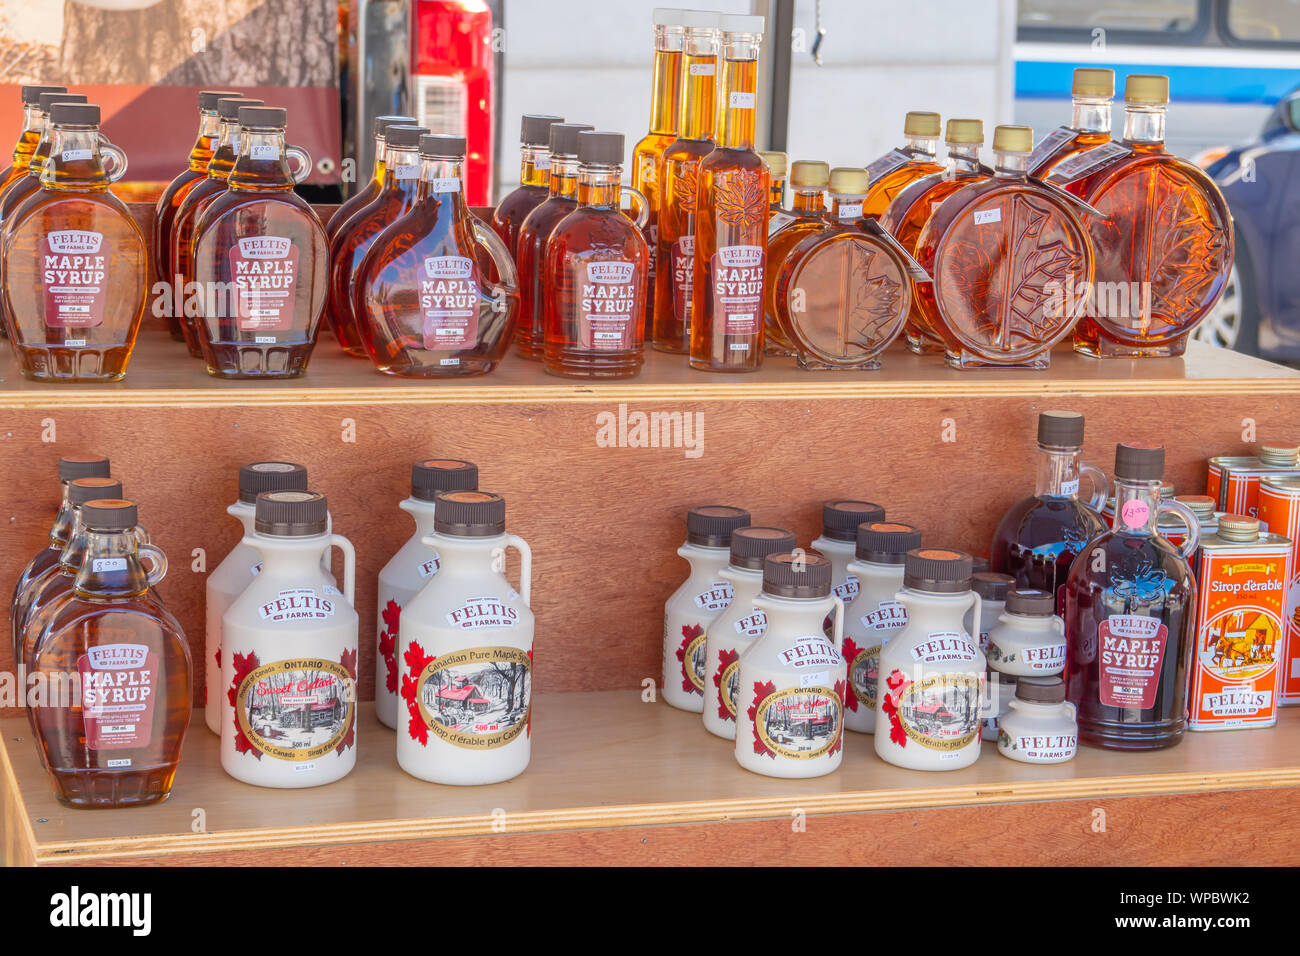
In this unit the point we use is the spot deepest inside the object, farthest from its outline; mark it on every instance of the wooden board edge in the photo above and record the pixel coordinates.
(17, 838)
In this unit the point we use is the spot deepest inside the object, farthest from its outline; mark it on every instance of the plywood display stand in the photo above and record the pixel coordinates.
(616, 778)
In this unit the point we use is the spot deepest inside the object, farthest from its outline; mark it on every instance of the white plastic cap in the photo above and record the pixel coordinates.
(698, 19)
(740, 23)
(670, 16)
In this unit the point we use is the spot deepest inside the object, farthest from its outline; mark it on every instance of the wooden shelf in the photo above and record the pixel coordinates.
(163, 374)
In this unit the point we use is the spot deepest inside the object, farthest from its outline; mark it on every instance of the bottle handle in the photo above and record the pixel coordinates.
(837, 624)
(643, 206)
(505, 265)
(117, 169)
(1187, 517)
(525, 567)
(978, 604)
(1100, 487)
(349, 565)
(140, 534)
(304, 163)
(157, 561)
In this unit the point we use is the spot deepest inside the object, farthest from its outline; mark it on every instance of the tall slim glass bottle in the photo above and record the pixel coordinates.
(367, 193)
(534, 175)
(731, 221)
(1091, 96)
(899, 168)
(677, 173)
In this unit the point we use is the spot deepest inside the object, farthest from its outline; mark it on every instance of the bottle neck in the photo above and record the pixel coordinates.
(1010, 165)
(534, 165)
(738, 102)
(923, 149)
(698, 84)
(297, 557)
(74, 552)
(1091, 114)
(223, 157)
(1144, 124)
(61, 529)
(963, 158)
(1058, 472)
(462, 555)
(74, 161)
(440, 180)
(33, 125)
(262, 164)
(564, 176)
(599, 186)
(1136, 506)
(401, 171)
(206, 143)
(110, 566)
(664, 100)
(846, 207)
(245, 512)
(776, 194)
(377, 173)
(809, 200)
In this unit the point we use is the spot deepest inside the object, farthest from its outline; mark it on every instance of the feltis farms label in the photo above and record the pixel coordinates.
(264, 270)
(449, 299)
(74, 274)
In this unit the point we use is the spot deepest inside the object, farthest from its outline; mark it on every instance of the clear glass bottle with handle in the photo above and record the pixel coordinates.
(289, 653)
(409, 570)
(792, 681)
(466, 649)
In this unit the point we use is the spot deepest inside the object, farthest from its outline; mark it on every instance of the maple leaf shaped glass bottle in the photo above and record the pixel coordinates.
(174, 194)
(1130, 607)
(534, 175)
(676, 213)
(1004, 253)
(118, 742)
(845, 291)
(75, 268)
(530, 335)
(899, 168)
(1091, 95)
(423, 306)
(731, 221)
(1039, 536)
(596, 273)
(915, 204)
(33, 126)
(266, 245)
(809, 180)
(349, 245)
(1165, 248)
(777, 167)
(370, 191)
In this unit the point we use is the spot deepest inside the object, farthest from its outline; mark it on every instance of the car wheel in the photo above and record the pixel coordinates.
(1232, 323)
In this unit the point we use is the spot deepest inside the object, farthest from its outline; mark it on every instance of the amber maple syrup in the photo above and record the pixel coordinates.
(677, 174)
(350, 244)
(777, 167)
(1091, 95)
(899, 168)
(731, 218)
(368, 193)
(266, 245)
(808, 182)
(534, 179)
(33, 126)
(18, 191)
(596, 269)
(75, 267)
(530, 335)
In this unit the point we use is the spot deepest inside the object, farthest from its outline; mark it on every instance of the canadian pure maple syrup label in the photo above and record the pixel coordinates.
(118, 688)
(478, 698)
(940, 711)
(683, 266)
(798, 723)
(264, 270)
(294, 710)
(1130, 650)
(726, 677)
(297, 604)
(942, 647)
(736, 278)
(449, 298)
(691, 655)
(476, 613)
(74, 277)
(864, 671)
(608, 298)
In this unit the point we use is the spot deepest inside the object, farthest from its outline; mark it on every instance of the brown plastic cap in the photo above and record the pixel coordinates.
(841, 517)
(1060, 429)
(1149, 88)
(535, 128)
(263, 117)
(47, 100)
(849, 181)
(810, 174)
(259, 476)
(965, 131)
(921, 123)
(291, 514)
(401, 135)
(1093, 81)
(1040, 690)
(228, 106)
(992, 586)
(109, 514)
(208, 99)
(600, 148)
(1139, 462)
(74, 114)
(32, 94)
(710, 526)
(886, 542)
(469, 514)
(1013, 139)
(777, 163)
(937, 569)
(751, 544)
(442, 144)
(564, 138)
(434, 475)
(71, 467)
(379, 125)
(803, 575)
(1031, 602)
(82, 490)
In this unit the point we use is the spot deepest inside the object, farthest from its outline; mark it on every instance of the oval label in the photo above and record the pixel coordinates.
(296, 710)
(479, 698)
(800, 722)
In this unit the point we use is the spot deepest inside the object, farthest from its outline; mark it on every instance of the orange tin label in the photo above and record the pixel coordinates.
(1240, 634)
(1214, 481)
(1279, 511)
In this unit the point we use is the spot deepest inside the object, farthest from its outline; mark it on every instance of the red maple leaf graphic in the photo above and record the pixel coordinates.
(897, 682)
(244, 665)
(391, 614)
(218, 657)
(689, 633)
(851, 651)
(349, 662)
(761, 693)
(726, 657)
(841, 688)
(416, 661)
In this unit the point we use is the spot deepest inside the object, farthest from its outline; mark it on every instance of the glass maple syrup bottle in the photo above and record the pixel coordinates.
(118, 742)
(899, 168)
(677, 174)
(1004, 253)
(18, 191)
(596, 273)
(534, 174)
(809, 180)
(349, 245)
(530, 335)
(171, 198)
(911, 209)
(423, 307)
(665, 108)
(731, 221)
(777, 167)
(75, 267)
(33, 126)
(1091, 95)
(267, 245)
(370, 191)
(845, 291)
(1166, 240)
(1130, 608)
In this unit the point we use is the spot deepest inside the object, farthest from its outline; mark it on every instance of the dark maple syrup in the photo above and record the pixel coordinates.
(367, 193)
(534, 179)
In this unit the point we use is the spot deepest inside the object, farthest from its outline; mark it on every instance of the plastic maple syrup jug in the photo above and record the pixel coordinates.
(697, 601)
(792, 680)
(410, 569)
(289, 653)
(932, 672)
(229, 578)
(839, 541)
(466, 647)
(1028, 639)
(1039, 725)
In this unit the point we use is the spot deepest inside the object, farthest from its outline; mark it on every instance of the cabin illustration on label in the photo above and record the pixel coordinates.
(1240, 643)
(801, 722)
(297, 709)
(479, 699)
(942, 711)
(863, 673)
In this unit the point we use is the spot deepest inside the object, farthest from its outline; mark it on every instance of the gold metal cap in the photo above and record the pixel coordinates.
(921, 124)
(776, 163)
(848, 180)
(810, 174)
(1013, 139)
(970, 131)
(1146, 88)
(1093, 81)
